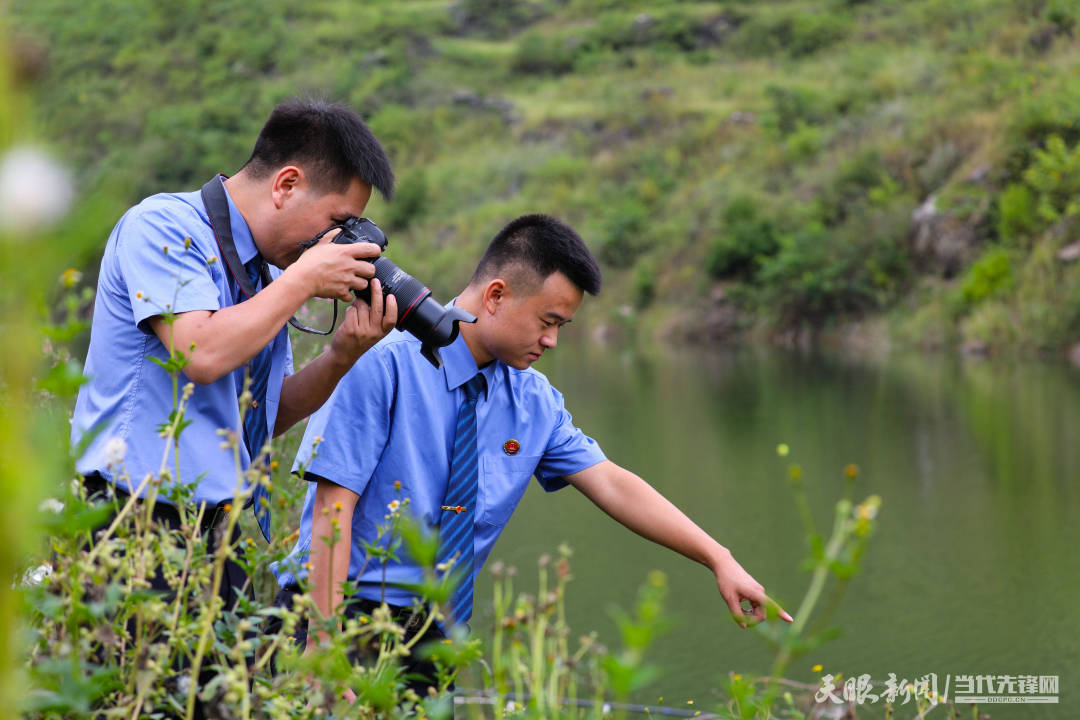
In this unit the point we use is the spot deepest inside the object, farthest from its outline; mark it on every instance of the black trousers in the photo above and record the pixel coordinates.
(419, 674)
(235, 584)
(234, 587)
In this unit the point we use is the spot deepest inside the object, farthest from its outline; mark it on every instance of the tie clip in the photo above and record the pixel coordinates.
(456, 508)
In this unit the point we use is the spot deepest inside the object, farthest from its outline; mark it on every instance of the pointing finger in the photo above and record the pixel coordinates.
(773, 607)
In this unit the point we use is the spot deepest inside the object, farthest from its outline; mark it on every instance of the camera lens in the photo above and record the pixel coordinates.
(418, 313)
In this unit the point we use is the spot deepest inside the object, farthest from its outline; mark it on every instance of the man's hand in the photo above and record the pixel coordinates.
(738, 587)
(304, 392)
(364, 325)
(329, 270)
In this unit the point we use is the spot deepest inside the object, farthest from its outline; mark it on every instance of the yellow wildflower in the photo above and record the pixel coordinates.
(70, 278)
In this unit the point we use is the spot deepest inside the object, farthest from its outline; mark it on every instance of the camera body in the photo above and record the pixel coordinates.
(418, 312)
(356, 230)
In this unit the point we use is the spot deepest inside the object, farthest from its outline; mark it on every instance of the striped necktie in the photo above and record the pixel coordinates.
(255, 429)
(459, 508)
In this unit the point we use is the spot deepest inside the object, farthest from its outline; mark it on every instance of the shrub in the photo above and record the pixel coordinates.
(410, 201)
(1017, 220)
(748, 236)
(990, 275)
(991, 326)
(1055, 175)
(804, 142)
(794, 33)
(621, 238)
(643, 282)
(792, 107)
(543, 54)
(822, 271)
(1062, 15)
(496, 17)
(853, 181)
(1053, 111)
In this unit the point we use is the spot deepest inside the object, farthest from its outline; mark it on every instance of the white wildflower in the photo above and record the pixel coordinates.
(36, 189)
(35, 576)
(115, 450)
(51, 505)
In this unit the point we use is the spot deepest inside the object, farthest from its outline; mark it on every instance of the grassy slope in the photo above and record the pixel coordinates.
(735, 165)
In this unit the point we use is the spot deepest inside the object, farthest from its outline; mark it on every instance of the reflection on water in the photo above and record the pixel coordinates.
(975, 567)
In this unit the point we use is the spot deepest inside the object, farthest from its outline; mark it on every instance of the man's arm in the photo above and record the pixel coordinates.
(225, 339)
(330, 560)
(364, 325)
(637, 505)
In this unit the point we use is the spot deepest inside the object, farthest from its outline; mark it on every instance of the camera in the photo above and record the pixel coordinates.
(418, 312)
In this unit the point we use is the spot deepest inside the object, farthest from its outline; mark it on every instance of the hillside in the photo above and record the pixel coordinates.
(771, 168)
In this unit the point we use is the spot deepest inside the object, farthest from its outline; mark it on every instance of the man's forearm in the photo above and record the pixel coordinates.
(634, 503)
(331, 543)
(225, 339)
(304, 392)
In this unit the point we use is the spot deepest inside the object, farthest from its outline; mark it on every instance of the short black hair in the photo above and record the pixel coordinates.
(542, 245)
(330, 141)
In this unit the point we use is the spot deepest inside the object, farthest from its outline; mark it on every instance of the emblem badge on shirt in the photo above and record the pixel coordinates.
(511, 447)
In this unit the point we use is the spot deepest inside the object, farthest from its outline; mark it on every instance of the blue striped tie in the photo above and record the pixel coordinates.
(255, 429)
(457, 527)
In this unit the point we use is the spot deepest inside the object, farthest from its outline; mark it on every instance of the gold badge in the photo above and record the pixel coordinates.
(511, 447)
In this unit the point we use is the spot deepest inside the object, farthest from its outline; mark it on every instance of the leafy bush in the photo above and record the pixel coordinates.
(1055, 176)
(643, 282)
(803, 143)
(496, 17)
(410, 201)
(621, 237)
(792, 107)
(1062, 15)
(747, 237)
(1053, 110)
(675, 29)
(1017, 219)
(990, 275)
(853, 181)
(795, 33)
(820, 271)
(539, 53)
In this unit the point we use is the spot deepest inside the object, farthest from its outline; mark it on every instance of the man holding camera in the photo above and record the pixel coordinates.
(462, 442)
(191, 273)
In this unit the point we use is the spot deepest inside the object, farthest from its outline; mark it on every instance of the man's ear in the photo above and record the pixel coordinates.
(496, 292)
(285, 184)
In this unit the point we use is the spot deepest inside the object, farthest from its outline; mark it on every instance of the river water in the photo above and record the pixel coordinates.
(975, 565)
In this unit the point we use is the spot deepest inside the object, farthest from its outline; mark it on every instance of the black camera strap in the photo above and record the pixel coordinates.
(217, 210)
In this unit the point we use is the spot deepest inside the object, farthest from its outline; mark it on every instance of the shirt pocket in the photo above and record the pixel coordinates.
(502, 484)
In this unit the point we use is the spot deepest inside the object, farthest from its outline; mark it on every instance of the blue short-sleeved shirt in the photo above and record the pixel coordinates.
(128, 396)
(392, 418)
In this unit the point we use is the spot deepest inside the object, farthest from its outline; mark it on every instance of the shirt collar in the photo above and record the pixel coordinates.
(459, 366)
(241, 233)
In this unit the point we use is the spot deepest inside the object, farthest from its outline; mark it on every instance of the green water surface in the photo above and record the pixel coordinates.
(975, 565)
